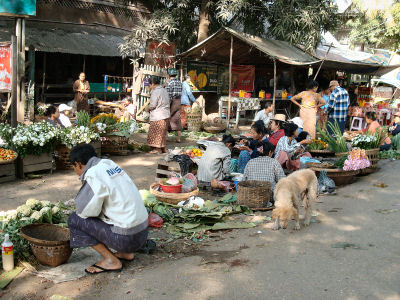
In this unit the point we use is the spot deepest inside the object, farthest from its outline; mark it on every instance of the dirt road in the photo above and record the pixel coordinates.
(350, 251)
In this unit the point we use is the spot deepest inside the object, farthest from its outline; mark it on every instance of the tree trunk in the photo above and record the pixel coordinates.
(204, 21)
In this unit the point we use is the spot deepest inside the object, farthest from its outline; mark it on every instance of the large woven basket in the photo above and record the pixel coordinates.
(171, 198)
(373, 159)
(49, 243)
(194, 121)
(9, 161)
(339, 176)
(321, 153)
(253, 193)
(114, 144)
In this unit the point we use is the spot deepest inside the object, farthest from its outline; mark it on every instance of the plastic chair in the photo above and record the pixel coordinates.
(357, 124)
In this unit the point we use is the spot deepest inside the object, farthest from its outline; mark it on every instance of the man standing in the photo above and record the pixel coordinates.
(81, 89)
(174, 89)
(186, 99)
(337, 105)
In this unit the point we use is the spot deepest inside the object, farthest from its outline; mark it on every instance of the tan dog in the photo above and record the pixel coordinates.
(302, 184)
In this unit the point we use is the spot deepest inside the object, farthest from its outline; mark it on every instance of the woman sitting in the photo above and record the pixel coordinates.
(248, 151)
(288, 151)
(395, 128)
(277, 129)
(264, 167)
(373, 126)
(216, 160)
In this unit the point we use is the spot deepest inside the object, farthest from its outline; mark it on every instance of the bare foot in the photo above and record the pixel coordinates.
(108, 264)
(155, 152)
(126, 256)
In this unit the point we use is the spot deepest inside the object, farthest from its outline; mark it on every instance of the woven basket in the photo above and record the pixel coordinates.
(253, 193)
(373, 159)
(323, 165)
(5, 162)
(340, 154)
(214, 129)
(114, 144)
(322, 153)
(339, 176)
(49, 243)
(171, 198)
(194, 121)
(63, 152)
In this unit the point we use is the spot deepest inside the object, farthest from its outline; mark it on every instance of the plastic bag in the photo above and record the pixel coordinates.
(325, 184)
(155, 220)
(189, 184)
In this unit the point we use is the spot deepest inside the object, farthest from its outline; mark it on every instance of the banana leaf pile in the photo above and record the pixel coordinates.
(212, 216)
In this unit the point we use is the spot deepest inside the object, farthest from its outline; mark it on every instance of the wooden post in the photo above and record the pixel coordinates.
(84, 64)
(230, 84)
(273, 97)
(14, 84)
(21, 95)
(320, 66)
(181, 70)
(44, 75)
(292, 85)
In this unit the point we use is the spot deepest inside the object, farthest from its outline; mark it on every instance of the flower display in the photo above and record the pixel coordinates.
(317, 145)
(24, 210)
(42, 108)
(36, 138)
(356, 160)
(33, 203)
(364, 141)
(73, 136)
(101, 127)
(45, 203)
(36, 216)
(107, 119)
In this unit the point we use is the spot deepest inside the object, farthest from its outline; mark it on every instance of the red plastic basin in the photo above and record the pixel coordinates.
(171, 188)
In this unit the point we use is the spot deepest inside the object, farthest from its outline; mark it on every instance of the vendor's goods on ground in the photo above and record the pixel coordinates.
(7, 155)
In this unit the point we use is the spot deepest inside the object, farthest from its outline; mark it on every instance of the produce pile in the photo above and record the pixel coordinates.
(193, 152)
(213, 215)
(7, 154)
(356, 160)
(33, 211)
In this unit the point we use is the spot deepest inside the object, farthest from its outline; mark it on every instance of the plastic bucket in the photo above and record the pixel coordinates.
(171, 188)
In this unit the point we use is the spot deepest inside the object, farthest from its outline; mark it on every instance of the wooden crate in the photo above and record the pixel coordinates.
(33, 163)
(164, 169)
(115, 145)
(63, 152)
(7, 172)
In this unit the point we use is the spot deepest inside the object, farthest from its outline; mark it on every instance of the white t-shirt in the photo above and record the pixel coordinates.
(65, 120)
(261, 115)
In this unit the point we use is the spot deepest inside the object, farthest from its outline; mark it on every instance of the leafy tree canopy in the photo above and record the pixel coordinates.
(377, 24)
(295, 21)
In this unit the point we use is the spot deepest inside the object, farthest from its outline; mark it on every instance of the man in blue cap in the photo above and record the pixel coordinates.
(174, 89)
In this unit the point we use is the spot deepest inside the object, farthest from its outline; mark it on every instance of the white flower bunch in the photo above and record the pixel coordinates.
(55, 210)
(33, 203)
(362, 139)
(101, 127)
(133, 127)
(36, 215)
(45, 210)
(24, 210)
(45, 203)
(42, 109)
(73, 136)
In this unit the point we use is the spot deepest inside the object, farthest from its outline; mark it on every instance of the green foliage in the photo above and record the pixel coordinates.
(82, 118)
(336, 142)
(295, 21)
(379, 28)
(340, 162)
(301, 21)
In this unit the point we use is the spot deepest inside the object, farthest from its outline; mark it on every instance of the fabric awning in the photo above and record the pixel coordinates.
(247, 49)
(98, 40)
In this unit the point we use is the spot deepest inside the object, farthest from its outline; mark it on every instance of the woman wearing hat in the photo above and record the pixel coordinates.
(277, 122)
(64, 110)
(310, 102)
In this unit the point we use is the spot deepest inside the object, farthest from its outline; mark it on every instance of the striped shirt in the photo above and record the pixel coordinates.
(338, 104)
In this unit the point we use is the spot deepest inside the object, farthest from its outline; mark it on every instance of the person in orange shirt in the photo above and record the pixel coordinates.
(373, 125)
(310, 102)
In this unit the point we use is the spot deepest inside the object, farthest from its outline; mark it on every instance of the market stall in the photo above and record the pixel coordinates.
(238, 71)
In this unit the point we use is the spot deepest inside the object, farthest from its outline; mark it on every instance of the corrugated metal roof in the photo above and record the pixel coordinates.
(98, 40)
(280, 50)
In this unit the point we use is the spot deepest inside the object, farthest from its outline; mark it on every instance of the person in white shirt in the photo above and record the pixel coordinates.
(265, 115)
(109, 213)
(64, 113)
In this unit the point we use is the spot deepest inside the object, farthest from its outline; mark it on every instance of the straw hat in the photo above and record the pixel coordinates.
(279, 117)
(333, 83)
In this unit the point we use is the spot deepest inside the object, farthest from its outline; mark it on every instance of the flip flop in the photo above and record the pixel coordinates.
(102, 270)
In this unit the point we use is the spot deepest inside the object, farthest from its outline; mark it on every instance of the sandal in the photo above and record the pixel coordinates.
(155, 152)
(103, 270)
